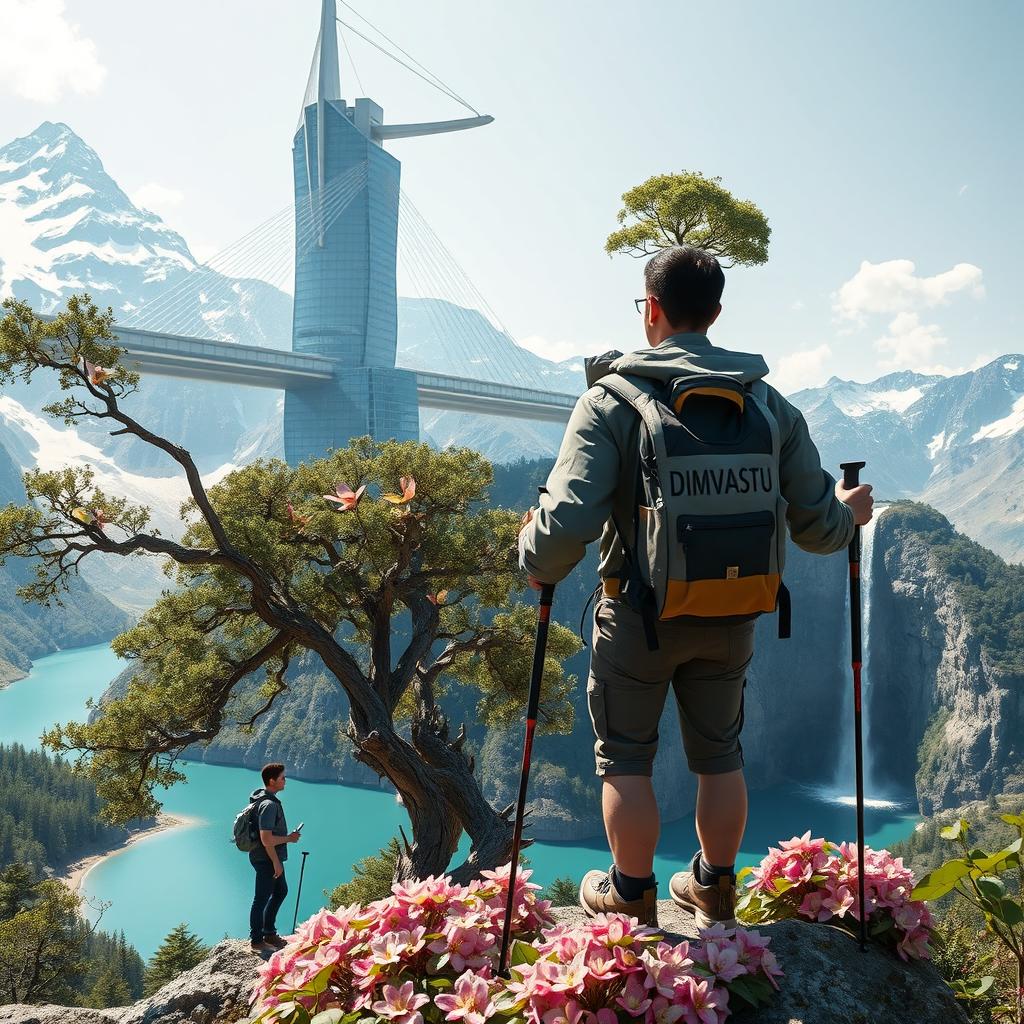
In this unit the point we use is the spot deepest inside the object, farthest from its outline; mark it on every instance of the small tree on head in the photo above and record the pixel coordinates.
(275, 561)
(690, 209)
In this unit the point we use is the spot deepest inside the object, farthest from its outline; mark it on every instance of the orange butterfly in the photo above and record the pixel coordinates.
(408, 485)
(97, 374)
(438, 598)
(344, 497)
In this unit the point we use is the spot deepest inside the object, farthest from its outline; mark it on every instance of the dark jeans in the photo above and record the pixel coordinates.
(270, 894)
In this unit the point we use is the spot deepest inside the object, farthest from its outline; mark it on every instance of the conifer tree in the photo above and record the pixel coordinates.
(17, 889)
(178, 953)
(110, 990)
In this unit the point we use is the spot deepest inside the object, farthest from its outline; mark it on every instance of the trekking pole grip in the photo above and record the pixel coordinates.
(851, 474)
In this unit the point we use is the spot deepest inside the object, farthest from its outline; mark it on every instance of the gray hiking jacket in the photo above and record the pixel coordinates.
(595, 473)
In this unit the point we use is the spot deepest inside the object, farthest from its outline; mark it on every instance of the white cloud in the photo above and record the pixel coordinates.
(159, 198)
(44, 55)
(910, 344)
(558, 351)
(802, 369)
(798, 305)
(894, 287)
(963, 189)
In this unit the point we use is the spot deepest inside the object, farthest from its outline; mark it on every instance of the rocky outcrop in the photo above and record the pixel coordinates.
(214, 992)
(827, 980)
(939, 702)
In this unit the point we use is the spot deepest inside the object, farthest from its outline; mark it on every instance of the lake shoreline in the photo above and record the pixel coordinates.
(75, 874)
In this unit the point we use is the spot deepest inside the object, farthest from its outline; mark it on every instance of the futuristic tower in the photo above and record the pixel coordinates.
(346, 304)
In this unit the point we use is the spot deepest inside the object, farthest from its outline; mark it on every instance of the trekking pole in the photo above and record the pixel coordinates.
(851, 479)
(298, 895)
(539, 648)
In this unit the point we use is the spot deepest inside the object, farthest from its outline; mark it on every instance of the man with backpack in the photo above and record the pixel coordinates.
(689, 467)
(268, 852)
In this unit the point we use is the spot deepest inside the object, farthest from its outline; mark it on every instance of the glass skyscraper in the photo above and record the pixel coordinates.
(346, 236)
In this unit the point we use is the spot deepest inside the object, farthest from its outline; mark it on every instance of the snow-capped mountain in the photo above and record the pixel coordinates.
(954, 442)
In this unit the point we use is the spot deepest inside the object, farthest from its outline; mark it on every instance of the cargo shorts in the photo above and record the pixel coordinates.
(628, 684)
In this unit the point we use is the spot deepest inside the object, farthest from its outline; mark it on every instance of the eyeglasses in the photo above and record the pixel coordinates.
(641, 304)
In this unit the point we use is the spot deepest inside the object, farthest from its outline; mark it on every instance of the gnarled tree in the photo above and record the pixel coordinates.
(690, 209)
(395, 594)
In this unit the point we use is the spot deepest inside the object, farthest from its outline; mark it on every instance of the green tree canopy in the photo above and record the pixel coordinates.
(690, 209)
(393, 592)
(178, 953)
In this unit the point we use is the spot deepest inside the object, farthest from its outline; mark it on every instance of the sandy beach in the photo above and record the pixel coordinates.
(75, 874)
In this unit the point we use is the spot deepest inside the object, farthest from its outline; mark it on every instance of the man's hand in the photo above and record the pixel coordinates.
(527, 519)
(278, 870)
(859, 499)
(294, 837)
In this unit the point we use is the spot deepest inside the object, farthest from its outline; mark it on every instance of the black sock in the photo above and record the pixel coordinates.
(709, 874)
(630, 888)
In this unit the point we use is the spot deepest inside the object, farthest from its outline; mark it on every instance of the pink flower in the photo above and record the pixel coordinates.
(401, 1005)
(708, 1005)
(839, 901)
(664, 1012)
(724, 961)
(470, 1002)
(635, 999)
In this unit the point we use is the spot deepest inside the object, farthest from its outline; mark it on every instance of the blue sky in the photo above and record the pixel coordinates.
(883, 142)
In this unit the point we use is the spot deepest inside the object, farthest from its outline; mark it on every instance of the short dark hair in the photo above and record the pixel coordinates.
(687, 282)
(271, 771)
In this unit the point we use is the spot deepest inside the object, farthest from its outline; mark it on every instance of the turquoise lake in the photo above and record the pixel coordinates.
(195, 874)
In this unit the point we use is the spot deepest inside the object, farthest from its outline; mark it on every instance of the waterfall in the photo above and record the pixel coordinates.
(844, 787)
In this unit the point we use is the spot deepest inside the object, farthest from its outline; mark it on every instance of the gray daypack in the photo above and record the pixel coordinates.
(244, 833)
(708, 540)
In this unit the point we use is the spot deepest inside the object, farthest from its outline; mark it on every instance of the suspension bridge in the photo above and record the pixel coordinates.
(339, 246)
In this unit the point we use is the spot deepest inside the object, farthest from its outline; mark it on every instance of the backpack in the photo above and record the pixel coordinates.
(244, 833)
(708, 541)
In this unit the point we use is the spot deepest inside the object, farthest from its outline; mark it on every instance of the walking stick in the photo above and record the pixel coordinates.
(298, 895)
(851, 479)
(540, 646)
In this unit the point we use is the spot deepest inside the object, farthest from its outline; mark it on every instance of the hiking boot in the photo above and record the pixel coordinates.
(598, 895)
(276, 941)
(262, 947)
(709, 904)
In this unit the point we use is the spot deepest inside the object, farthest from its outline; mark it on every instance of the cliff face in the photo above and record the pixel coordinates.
(942, 702)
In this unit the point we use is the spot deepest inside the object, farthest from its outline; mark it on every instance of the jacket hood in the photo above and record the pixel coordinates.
(678, 356)
(261, 794)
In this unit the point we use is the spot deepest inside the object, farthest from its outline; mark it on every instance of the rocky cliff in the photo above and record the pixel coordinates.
(946, 693)
(827, 980)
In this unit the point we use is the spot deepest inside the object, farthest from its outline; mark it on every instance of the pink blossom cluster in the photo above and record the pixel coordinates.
(373, 958)
(819, 880)
(429, 952)
(611, 969)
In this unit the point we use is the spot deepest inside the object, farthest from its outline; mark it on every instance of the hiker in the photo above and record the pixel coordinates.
(598, 488)
(268, 861)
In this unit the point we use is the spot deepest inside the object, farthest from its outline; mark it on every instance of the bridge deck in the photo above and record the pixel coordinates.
(172, 355)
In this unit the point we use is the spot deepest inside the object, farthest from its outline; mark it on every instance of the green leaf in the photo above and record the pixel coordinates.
(783, 885)
(330, 1017)
(991, 887)
(439, 983)
(940, 881)
(755, 990)
(1011, 912)
(1006, 858)
(974, 988)
(1017, 820)
(743, 874)
(523, 953)
(955, 831)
